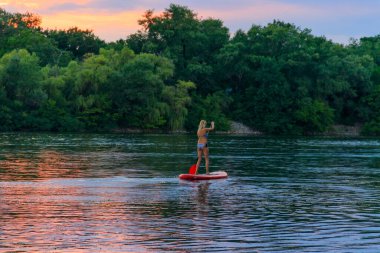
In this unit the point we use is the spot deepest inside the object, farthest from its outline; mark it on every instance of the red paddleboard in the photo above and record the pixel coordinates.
(212, 175)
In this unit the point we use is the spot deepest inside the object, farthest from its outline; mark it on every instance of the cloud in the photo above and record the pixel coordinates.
(119, 5)
(271, 9)
(63, 7)
(39, 6)
(113, 19)
(106, 26)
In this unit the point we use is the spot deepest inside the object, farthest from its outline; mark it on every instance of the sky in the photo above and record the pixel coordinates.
(338, 20)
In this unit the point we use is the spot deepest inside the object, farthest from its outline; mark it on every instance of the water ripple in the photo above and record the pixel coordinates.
(120, 193)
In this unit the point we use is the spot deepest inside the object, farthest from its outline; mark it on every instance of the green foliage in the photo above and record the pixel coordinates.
(271, 69)
(20, 78)
(372, 126)
(191, 43)
(86, 90)
(210, 108)
(177, 98)
(367, 46)
(23, 31)
(6, 118)
(35, 42)
(11, 24)
(137, 91)
(314, 116)
(178, 69)
(76, 41)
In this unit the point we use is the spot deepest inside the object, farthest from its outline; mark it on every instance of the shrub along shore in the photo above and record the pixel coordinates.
(237, 128)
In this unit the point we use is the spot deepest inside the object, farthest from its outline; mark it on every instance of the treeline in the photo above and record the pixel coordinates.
(178, 69)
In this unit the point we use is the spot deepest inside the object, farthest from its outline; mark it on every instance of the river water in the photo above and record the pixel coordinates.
(121, 193)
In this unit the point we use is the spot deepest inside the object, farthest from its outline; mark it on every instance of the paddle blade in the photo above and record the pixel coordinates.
(192, 169)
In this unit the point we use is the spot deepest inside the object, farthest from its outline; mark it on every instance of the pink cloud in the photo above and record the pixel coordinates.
(37, 5)
(107, 26)
(114, 19)
(262, 11)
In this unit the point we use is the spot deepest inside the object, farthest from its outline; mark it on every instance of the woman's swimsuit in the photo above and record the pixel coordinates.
(203, 145)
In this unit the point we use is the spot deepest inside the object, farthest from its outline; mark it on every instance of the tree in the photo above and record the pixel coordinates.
(35, 42)
(191, 43)
(271, 71)
(136, 91)
(21, 79)
(87, 90)
(177, 98)
(367, 46)
(77, 41)
(20, 85)
(314, 116)
(210, 108)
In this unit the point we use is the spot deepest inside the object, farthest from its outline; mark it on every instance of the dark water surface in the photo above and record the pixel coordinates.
(120, 193)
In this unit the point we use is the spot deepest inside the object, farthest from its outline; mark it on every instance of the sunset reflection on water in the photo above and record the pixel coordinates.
(121, 193)
(80, 216)
(43, 165)
(99, 215)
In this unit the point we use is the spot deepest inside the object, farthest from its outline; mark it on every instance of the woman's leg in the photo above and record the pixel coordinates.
(199, 151)
(205, 153)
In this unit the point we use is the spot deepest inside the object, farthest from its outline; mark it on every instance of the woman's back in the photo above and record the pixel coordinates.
(202, 136)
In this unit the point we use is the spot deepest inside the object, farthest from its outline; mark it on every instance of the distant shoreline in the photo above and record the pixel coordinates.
(240, 129)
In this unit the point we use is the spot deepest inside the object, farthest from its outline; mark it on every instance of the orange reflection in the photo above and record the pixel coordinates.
(56, 216)
(46, 164)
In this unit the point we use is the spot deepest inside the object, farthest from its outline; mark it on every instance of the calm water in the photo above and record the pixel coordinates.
(120, 193)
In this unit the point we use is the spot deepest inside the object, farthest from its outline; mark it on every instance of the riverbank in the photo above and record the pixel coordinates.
(344, 131)
(336, 130)
(238, 128)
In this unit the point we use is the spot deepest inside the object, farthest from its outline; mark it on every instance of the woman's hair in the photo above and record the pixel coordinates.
(202, 124)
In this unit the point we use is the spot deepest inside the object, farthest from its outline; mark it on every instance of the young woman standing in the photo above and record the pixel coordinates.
(202, 147)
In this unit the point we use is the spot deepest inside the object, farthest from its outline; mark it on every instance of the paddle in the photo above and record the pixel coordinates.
(192, 169)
